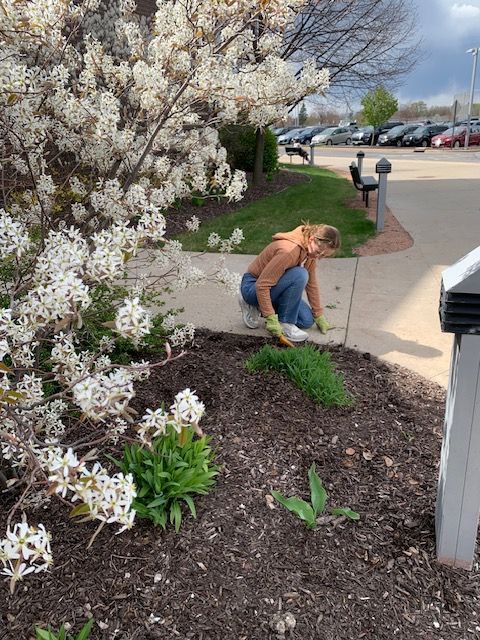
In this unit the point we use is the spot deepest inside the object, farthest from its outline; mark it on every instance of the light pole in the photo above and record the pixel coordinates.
(474, 53)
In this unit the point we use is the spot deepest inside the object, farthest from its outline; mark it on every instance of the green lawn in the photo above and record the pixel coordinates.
(321, 200)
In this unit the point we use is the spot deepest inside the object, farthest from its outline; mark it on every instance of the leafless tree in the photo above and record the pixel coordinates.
(363, 43)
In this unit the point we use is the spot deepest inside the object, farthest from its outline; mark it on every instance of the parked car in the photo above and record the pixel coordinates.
(280, 131)
(289, 136)
(473, 120)
(304, 132)
(333, 135)
(394, 137)
(364, 134)
(422, 137)
(308, 134)
(455, 137)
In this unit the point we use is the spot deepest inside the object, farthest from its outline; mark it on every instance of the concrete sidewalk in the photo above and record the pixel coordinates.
(386, 305)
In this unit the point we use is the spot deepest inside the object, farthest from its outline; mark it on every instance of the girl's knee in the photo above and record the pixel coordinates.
(305, 323)
(300, 274)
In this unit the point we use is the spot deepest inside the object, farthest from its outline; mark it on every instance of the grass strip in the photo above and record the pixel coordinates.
(323, 199)
(309, 369)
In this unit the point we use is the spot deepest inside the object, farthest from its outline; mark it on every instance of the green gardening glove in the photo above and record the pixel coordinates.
(323, 324)
(272, 325)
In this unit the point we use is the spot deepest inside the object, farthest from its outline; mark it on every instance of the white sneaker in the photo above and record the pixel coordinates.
(293, 333)
(250, 314)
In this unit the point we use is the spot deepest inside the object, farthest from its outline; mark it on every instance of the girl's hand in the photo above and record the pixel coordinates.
(272, 325)
(323, 324)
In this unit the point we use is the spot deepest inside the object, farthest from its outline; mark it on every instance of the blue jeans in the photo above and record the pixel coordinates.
(286, 296)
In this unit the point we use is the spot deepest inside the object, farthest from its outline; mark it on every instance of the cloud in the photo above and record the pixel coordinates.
(440, 98)
(464, 17)
(465, 11)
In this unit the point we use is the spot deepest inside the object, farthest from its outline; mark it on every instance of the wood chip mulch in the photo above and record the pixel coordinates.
(236, 571)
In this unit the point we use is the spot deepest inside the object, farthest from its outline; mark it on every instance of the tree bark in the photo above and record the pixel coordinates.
(258, 164)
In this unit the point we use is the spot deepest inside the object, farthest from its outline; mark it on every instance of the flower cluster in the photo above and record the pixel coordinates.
(187, 407)
(186, 410)
(25, 550)
(132, 321)
(182, 335)
(193, 224)
(103, 497)
(13, 236)
(104, 395)
(226, 245)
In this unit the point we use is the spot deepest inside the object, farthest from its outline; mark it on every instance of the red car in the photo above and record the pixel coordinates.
(456, 137)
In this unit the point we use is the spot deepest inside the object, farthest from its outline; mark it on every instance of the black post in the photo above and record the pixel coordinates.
(455, 105)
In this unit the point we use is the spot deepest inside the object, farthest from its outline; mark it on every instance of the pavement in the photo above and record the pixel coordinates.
(386, 305)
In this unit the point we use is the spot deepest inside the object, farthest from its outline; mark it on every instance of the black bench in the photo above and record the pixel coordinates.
(365, 184)
(296, 151)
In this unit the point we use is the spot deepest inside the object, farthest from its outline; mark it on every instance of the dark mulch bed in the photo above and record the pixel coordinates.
(212, 208)
(226, 575)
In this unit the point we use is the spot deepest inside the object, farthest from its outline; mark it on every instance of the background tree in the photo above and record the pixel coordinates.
(302, 115)
(324, 114)
(378, 106)
(413, 111)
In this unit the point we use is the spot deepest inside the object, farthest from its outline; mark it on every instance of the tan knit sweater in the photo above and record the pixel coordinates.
(287, 250)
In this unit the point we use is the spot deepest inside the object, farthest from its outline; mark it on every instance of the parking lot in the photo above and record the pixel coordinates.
(472, 154)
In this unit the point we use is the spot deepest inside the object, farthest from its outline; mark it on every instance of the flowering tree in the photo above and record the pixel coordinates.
(100, 137)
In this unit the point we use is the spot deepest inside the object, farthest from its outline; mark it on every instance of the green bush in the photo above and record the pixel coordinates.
(239, 141)
(175, 468)
(99, 317)
(308, 368)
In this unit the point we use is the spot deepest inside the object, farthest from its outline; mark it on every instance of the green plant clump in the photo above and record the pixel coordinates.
(318, 496)
(47, 634)
(308, 368)
(175, 468)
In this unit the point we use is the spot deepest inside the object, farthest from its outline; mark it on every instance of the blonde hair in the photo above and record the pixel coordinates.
(323, 232)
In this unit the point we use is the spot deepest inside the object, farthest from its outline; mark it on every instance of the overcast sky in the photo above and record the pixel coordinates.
(448, 29)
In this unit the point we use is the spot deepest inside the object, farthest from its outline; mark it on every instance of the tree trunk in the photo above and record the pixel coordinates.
(258, 164)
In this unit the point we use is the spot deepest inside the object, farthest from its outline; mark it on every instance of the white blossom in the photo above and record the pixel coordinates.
(213, 240)
(168, 322)
(193, 224)
(26, 549)
(182, 335)
(237, 186)
(13, 236)
(132, 321)
(187, 407)
(230, 280)
(152, 425)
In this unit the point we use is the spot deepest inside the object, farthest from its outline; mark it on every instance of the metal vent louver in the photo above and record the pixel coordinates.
(459, 312)
(460, 296)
